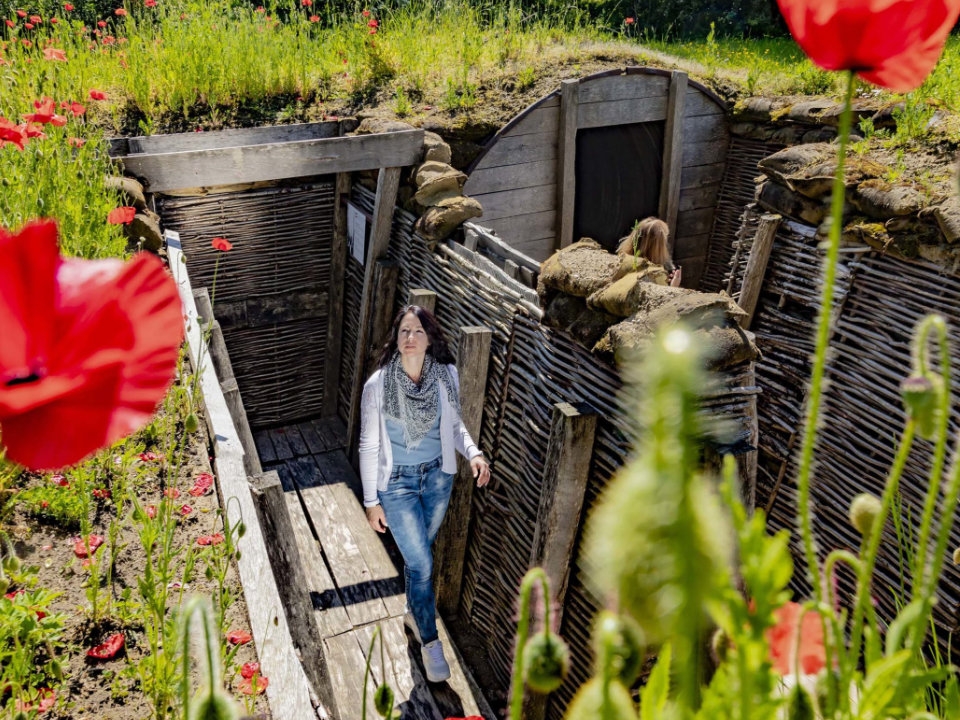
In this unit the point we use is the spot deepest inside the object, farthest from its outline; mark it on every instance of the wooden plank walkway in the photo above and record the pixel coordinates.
(355, 584)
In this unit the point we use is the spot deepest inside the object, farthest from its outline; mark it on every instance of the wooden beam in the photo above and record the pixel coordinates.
(757, 266)
(385, 278)
(338, 272)
(275, 161)
(424, 298)
(266, 310)
(565, 471)
(672, 153)
(270, 502)
(388, 182)
(234, 137)
(231, 394)
(566, 161)
(473, 361)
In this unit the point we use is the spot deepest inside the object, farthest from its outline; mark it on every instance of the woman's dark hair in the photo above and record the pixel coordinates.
(438, 347)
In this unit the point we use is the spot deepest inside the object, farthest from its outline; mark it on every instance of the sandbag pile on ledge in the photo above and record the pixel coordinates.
(612, 304)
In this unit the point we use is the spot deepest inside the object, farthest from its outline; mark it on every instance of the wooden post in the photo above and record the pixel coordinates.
(388, 182)
(473, 361)
(338, 275)
(385, 277)
(231, 393)
(672, 153)
(271, 506)
(565, 472)
(747, 462)
(424, 298)
(566, 161)
(757, 266)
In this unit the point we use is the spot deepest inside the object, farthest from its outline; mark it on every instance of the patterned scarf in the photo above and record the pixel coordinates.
(416, 406)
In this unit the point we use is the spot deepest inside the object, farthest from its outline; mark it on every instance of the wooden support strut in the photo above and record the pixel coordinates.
(566, 161)
(338, 271)
(473, 362)
(565, 472)
(673, 153)
(757, 266)
(270, 502)
(388, 182)
(426, 299)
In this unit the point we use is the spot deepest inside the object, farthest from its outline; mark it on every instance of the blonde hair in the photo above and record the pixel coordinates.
(648, 239)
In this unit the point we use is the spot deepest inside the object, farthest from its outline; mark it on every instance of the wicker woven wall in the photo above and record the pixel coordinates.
(736, 192)
(281, 245)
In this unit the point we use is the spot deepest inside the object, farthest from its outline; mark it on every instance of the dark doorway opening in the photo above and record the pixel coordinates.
(618, 179)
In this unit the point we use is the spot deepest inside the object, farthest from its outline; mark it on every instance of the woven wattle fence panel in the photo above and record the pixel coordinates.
(281, 240)
(736, 192)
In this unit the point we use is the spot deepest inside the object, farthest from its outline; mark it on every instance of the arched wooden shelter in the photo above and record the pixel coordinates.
(601, 152)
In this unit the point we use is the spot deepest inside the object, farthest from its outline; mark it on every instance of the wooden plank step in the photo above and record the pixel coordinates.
(327, 604)
(296, 441)
(341, 482)
(264, 447)
(404, 671)
(335, 432)
(460, 696)
(348, 566)
(280, 444)
(346, 661)
(314, 440)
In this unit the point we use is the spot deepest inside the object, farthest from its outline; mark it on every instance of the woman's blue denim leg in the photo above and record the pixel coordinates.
(414, 503)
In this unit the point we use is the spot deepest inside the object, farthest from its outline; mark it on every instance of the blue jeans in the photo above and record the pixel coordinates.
(414, 503)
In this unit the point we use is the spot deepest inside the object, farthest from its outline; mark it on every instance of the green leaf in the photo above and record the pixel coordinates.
(905, 618)
(951, 698)
(654, 696)
(881, 684)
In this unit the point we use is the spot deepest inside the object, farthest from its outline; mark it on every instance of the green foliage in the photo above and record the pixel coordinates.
(59, 506)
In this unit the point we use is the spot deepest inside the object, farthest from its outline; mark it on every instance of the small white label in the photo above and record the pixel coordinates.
(357, 232)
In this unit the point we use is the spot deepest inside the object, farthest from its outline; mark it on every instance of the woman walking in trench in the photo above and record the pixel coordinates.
(410, 432)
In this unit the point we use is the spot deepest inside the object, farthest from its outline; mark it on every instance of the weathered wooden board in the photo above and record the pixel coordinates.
(521, 149)
(460, 696)
(623, 87)
(517, 229)
(704, 153)
(342, 487)
(544, 119)
(699, 103)
(347, 664)
(350, 572)
(673, 139)
(698, 198)
(338, 265)
(314, 440)
(694, 222)
(518, 202)
(510, 177)
(281, 445)
(622, 112)
(539, 249)
(236, 137)
(566, 179)
(296, 441)
(699, 175)
(275, 161)
(259, 311)
(264, 447)
(704, 128)
(690, 246)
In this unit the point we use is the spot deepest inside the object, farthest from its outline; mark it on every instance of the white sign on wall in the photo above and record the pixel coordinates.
(357, 232)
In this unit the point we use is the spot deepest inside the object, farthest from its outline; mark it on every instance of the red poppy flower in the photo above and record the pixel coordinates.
(46, 113)
(80, 547)
(239, 637)
(54, 54)
(222, 244)
(45, 699)
(89, 347)
(28, 26)
(150, 3)
(253, 686)
(11, 134)
(306, 3)
(26, 44)
(107, 650)
(149, 456)
(185, 510)
(21, 14)
(365, 13)
(891, 43)
(151, 511)
(214, 539)
(21, 591)
(121, 215)
(101, 23)
(32, 131)
(314, 18)
(98, 95)
(102, 493)
(261, 9)
(60, 480)
(53, 21)
(10, 23)
(202, 485)
(68, 7)
(782, 639)
(248, 670)
(120, 12)
(171, 493)
(629, 21)
(35, 19)
(76, 108)
(373, 23)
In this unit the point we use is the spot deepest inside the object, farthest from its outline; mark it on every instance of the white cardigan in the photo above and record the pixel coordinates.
(376, 452)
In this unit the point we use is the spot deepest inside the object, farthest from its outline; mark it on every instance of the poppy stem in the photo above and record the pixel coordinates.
(523, 633)
(820, 355)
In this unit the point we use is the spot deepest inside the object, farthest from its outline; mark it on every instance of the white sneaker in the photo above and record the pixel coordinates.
(434, 662)
(411, 623)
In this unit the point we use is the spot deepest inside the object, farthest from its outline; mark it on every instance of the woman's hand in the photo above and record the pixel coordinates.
(376, 518)
(675, 277)
(481, 470)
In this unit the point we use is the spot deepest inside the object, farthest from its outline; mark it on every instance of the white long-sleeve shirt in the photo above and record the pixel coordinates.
(376, 452)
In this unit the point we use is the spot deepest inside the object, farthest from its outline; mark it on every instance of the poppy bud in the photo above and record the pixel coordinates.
(4, 585)
(241, 530)
(12, 564)
(719, 646)
(800, 706)
(191, 424)
(624, 641)
(921, 398)
(215, 706)
(546, 661)
(237, 556)
(209, 573)
(588, 702)
(383, 699)
(864, 508)
(956, 556)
